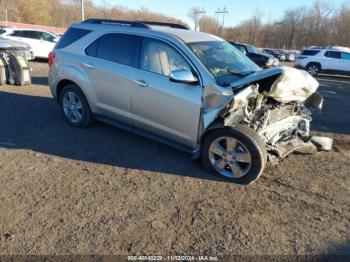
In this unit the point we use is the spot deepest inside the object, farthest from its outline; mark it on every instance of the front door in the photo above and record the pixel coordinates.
(169, 109)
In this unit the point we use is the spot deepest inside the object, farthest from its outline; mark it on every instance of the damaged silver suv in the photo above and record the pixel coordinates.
(188, 89)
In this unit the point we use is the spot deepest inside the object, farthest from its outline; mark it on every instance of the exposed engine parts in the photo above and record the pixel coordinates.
(283, 123)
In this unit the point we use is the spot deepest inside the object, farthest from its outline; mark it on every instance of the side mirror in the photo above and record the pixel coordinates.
(183, 76)
(55, 40)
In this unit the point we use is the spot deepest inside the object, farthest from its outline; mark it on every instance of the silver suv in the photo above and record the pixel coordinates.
(191, 90)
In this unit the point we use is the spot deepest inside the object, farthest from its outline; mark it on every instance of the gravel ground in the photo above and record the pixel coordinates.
(104, 191)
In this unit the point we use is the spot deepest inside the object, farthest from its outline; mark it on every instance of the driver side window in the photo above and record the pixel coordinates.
(160, 58)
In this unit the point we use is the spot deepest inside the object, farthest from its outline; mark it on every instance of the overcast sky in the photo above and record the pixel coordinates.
(239, 10)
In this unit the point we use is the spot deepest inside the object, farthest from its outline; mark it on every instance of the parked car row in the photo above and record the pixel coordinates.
(258, 57)
(41, 42)
(281, 55)
(265, 57)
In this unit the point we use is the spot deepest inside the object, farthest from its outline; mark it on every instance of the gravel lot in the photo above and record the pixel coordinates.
(104, 191)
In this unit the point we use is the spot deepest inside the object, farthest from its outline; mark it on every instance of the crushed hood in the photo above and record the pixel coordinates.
(284, 84)
(293, 85)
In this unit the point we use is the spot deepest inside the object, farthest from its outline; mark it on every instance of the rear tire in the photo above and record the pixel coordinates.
(74, 106)
(313, 69)
(236, 153)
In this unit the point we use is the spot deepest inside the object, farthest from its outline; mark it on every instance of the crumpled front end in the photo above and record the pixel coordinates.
(277, 104)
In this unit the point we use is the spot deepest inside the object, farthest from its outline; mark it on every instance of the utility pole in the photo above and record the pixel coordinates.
(197, 14)
(224, 12)
(219, 12)
(82, 10)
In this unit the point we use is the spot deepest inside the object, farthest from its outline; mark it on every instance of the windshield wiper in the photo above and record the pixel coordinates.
(241, 74)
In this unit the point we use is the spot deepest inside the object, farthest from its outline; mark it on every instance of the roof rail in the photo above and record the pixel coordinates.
(116, 22)
(165, 24)
(139, 24)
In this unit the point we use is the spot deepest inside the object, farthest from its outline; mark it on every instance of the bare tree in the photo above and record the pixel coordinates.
(195, 14)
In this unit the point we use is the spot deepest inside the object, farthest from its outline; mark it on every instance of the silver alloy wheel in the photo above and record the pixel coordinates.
(230, 157)
(72, 107)
(312, 70)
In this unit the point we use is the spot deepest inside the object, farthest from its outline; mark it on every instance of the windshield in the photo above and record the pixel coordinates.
(225, 62)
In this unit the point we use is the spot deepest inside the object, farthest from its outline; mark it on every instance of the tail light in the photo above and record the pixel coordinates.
(52, 57)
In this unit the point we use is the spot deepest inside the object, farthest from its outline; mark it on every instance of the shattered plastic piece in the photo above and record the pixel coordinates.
(215, 96)
(293, 85)
(322, 143)
(316, 100)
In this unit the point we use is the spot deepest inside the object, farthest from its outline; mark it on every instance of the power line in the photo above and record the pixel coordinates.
(197, 13)
(219, 12)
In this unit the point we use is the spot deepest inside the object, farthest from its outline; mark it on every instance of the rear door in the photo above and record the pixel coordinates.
(345, 57)
(33, 39)
(168, 109)
(111, 63)
(332, 61)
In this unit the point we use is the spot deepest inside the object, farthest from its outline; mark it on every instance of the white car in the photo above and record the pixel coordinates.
(335, 60)
(42, 42)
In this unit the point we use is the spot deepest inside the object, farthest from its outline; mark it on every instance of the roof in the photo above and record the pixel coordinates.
(188, 36)
(174, 30)
(328, 48)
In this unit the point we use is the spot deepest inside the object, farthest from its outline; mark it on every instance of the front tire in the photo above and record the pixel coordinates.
(236, 153)
(313, 69)
(75, 107)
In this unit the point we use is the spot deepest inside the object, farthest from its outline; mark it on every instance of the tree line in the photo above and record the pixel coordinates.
(61, 13)
(320, 25)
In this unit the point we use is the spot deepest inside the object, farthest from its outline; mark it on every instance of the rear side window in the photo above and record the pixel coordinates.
(309, 52)
(345, 56)
(119, 48)
(16, 33)
(31, 34)
(332, 54)
(70, 36)
(91, 50)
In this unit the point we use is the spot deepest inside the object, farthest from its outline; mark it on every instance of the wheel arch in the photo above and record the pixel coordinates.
(315, 63)
(61, 84)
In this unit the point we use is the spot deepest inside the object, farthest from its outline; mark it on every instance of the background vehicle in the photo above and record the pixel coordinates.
(275, 62)
(191, 90)
(290, 56)
(335, 60)
(276, 53)
(41, 42)
(19, 47)
(253, 53)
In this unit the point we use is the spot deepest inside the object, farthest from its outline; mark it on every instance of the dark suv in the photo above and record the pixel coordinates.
(254, 54)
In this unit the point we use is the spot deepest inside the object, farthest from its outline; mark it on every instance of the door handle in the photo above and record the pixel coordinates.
(141, 83)
(90, 66)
